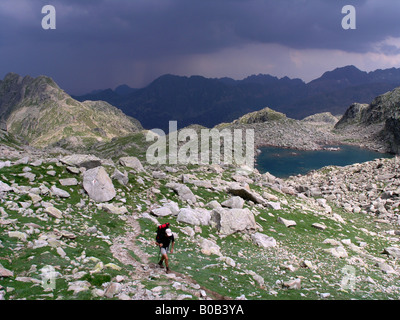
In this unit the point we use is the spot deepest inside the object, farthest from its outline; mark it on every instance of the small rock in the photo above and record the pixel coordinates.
(270, 197)
(73, 170)
(19, 235)
(59, 192)
(4, 187)
(132, 162)
(385, 268)
(54, 212)
(5, 273)
(61, 252)
(319, 226)
(69, 182)
(113, 289)
(263, 240)
(338, 252)
(293, 284)
(273, 205)
(159, 175)
(287, 223)
(78, 286)
(392, 251)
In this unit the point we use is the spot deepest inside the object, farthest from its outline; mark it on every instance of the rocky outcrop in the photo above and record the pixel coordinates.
(42, 114)
(391, 134)
(324, 117)
(353, 115)
(331, 219)
(377, 122)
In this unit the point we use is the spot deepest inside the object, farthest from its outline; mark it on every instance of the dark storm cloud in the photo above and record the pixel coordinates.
(181, 26)
(100, 38)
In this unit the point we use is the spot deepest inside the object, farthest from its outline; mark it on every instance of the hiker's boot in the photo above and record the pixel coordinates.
(167, 271)
(160, 264)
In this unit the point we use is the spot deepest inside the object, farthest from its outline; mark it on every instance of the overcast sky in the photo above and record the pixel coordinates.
(100, 44)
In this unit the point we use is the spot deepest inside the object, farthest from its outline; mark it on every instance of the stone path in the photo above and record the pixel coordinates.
(144, 268)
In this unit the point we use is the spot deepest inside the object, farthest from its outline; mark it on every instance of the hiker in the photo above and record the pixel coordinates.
(163, 240)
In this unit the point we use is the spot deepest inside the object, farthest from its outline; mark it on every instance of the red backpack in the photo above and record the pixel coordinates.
(161, 230)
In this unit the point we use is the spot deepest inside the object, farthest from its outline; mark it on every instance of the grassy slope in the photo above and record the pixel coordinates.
(295, 244)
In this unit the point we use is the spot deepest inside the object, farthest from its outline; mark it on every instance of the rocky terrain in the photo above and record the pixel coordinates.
(376, 123)
(81, 227)
(372, 126)
(41, 114)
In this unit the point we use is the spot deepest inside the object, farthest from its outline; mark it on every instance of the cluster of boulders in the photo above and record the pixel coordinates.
(290, 133)
(370, 188)
(237, 201)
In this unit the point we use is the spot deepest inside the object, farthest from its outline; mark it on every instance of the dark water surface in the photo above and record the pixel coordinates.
(286, 162)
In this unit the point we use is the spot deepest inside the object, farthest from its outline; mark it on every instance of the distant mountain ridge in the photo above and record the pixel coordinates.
(209, 101)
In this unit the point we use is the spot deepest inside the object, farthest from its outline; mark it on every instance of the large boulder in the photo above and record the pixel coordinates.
(189, 216)
(132, 162)
(81, 160)
(184, 193)
(161, 212)
(98, 185)
(245, 193)
(173, 206)
(228, 221)
(194, 216)
(233, 203)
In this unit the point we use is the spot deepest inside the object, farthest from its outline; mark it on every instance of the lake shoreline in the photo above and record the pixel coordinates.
(286, 162)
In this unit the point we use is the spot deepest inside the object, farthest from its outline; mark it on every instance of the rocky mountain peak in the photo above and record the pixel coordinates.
(348, 72)
(41, 113)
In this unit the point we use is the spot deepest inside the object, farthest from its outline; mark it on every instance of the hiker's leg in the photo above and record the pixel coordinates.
(163, 255)
(165, 258)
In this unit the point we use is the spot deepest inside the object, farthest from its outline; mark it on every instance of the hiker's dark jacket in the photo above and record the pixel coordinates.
(165, 240)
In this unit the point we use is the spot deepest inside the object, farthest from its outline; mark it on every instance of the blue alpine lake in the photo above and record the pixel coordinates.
(283, 162)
